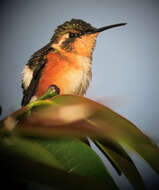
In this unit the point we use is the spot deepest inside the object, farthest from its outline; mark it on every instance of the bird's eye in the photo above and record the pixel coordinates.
(72, 35)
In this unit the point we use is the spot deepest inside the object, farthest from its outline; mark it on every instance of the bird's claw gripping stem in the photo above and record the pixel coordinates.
(52, 91)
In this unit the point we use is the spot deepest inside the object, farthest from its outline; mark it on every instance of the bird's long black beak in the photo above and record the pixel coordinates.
(105, 28)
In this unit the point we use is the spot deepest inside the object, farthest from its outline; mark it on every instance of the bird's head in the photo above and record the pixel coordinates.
(77, 36)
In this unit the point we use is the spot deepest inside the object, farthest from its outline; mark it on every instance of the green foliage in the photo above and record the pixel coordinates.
(44, 142)
(24, 159)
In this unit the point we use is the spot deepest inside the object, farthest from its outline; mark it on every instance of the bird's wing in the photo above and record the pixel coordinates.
(32, 73)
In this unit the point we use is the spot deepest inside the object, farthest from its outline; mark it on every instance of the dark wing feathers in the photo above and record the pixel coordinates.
(30, 91)
(36, 63)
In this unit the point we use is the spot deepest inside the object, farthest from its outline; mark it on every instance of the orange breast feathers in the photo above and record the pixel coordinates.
(57, 71)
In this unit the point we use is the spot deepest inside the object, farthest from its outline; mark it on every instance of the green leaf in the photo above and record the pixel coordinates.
(69, 115)
(26, 160)
(78, 158)
(122, 161)
(29, 149)
(117, 128)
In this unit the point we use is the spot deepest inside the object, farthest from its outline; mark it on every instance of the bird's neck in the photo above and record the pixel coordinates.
(81, 61)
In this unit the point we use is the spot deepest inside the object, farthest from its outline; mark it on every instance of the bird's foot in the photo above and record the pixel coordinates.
(52, 91)
(55, 89)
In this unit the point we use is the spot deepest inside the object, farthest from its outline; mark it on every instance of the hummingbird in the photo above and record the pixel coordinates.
(64, 63)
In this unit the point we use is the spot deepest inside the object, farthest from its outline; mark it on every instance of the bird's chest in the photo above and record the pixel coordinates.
(71, 77)
(77, 81)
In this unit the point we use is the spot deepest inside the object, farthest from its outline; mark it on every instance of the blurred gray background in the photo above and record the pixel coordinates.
(125, 60)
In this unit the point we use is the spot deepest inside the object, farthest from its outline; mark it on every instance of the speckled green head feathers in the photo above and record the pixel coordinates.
(75, 24)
